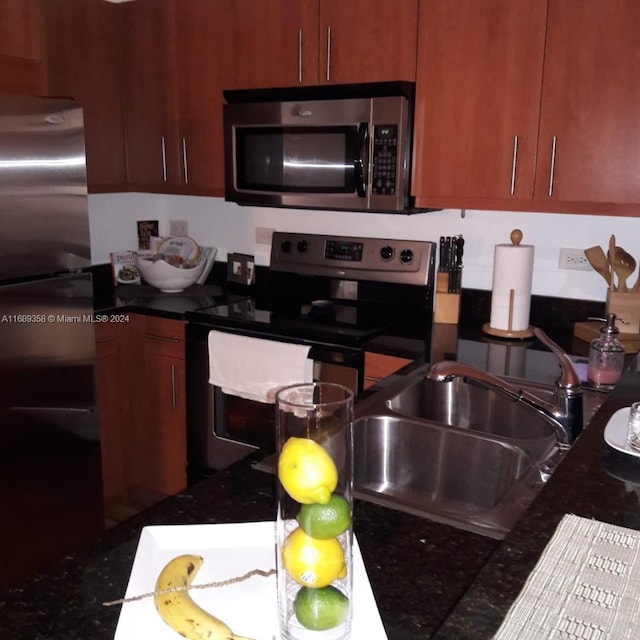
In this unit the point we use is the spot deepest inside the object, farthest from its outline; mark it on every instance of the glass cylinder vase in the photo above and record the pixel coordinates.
(315, 511)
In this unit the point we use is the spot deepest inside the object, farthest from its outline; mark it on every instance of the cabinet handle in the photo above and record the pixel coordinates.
(514, 164)
(328, 53)
(154, 336)
(552, 170)
(164, 160)
(174, 400)
(299, 56)
(185, 169)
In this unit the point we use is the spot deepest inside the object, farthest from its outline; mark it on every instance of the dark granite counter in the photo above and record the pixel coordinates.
(418, 569)
(429, 580)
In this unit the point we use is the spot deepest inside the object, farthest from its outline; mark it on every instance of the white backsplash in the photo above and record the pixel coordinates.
(229, 227)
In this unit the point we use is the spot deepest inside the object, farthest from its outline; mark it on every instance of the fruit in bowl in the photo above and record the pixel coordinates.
(167, 277)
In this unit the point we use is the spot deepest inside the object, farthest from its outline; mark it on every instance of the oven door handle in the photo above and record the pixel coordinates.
(362, 160)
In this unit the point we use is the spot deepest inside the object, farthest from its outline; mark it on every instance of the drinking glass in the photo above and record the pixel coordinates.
(315, 511)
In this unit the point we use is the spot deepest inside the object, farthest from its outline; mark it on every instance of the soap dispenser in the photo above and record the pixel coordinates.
(606, 356)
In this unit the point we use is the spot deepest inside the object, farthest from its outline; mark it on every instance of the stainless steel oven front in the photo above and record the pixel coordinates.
(223, 428)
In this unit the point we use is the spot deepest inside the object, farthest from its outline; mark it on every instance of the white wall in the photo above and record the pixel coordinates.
(212, 221)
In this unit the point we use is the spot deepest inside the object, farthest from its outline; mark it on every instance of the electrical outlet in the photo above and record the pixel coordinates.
(178, 228)
(264, 235)
(574, 259)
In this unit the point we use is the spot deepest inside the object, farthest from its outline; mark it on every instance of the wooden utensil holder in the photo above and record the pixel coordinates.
(626, 306)
(447, 305)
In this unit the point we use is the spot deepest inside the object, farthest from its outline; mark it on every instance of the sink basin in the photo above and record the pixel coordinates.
(465, 479)
(467, 405)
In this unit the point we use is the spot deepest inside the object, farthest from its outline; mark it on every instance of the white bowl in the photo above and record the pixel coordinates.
(167, 278)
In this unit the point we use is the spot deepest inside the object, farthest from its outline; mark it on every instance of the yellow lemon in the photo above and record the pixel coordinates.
(311, 562)
(306, 471)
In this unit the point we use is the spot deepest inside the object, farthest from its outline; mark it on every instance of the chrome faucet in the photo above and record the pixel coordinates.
(566, 412)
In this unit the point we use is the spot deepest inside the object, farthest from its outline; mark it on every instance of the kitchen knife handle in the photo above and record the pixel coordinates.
(552, 170)
(514, 164)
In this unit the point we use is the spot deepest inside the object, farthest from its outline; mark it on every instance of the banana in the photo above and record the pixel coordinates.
(177, 608)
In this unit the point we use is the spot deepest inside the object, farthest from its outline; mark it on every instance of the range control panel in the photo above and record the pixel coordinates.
(378, 259)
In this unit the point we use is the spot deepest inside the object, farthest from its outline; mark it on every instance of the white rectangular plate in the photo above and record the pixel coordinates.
(229, 550)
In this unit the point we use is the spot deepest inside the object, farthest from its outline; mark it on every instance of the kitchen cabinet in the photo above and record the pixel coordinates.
(141, 400)
(113, 406)
(178, 58)
(22, 29)
(588, 151)
(22, 68)
(84, 62)
(160, 451)
(477, 100)
(378, 366)
(301, 42)
(535, 110)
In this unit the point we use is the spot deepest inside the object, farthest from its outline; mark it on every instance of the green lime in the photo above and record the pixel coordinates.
(324, 521)
(320, 609)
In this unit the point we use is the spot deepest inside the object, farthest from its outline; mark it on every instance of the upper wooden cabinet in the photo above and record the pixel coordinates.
(282, 43)
(178, 58)
(477, 99)
(590, 104)
(22, 44)
(534, 107)
(84, 62)
(22, 29)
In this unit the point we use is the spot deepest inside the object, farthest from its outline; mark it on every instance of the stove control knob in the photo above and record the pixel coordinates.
(386, 253)
(286, 246)
(303, 245)
(406, 256)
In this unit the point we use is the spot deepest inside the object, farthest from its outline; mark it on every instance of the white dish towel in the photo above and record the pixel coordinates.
(253, 368)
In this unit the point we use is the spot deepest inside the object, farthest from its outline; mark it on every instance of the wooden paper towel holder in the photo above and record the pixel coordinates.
(522, 334)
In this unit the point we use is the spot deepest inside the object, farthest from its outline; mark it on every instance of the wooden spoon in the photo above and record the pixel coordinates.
(599, 262)
(611, 258)
(625, 265)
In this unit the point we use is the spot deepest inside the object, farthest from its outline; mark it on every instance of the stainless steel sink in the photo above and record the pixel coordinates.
(465, 479)
(466, 405)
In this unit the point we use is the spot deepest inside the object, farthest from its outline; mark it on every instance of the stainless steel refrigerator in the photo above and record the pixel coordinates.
(50, 477)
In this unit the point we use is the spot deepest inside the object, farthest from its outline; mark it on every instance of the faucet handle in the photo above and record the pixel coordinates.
(569, 379)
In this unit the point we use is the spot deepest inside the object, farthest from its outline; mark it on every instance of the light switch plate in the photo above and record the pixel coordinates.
(178, 228)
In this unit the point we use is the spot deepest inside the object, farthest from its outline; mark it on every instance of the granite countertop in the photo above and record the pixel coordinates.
(429, 579)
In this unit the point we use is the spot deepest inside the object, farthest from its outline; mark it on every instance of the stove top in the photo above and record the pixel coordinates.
(334, 290)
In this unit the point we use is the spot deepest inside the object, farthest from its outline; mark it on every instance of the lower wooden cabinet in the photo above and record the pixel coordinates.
(141, 399)
(378, 366)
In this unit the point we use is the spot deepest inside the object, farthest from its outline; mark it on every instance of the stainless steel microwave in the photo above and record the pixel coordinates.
(343, 147)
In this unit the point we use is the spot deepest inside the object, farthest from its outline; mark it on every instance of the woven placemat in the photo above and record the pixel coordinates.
(586, 586)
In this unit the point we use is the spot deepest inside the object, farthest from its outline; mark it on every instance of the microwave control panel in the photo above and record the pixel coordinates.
(385, 159)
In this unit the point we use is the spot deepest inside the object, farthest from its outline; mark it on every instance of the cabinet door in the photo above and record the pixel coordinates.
(590, 103)
(204, 45)
(276, 43)
(149, 95)
(84, 62)
(159, 447)
(479, 77)
(22, 29)
(367, 40)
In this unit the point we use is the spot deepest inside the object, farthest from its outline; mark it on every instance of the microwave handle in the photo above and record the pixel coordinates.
(362, 160)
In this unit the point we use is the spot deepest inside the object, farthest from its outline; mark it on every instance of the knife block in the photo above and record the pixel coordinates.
(447, 305)
(626, 306)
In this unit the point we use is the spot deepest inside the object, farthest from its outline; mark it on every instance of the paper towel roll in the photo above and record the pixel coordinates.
(511, 288)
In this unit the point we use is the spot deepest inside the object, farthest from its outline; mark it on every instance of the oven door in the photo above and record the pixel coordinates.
(223, 428)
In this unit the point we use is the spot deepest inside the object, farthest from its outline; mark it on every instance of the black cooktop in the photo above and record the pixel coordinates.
(325, 321)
